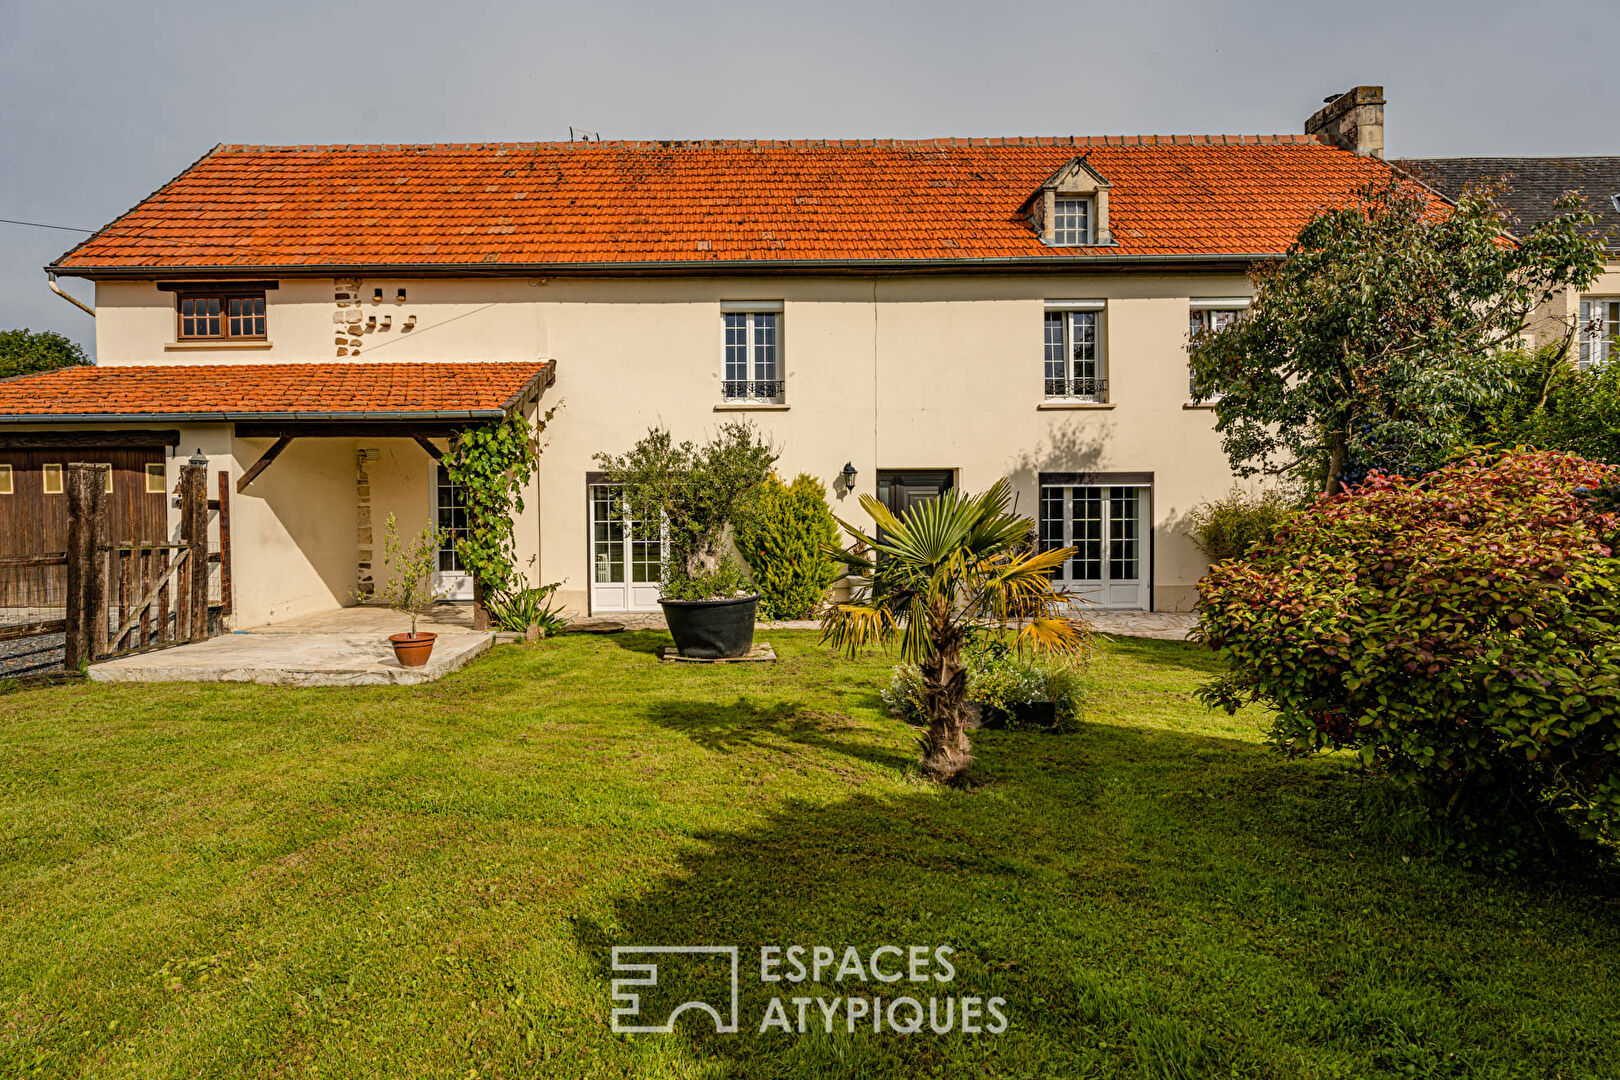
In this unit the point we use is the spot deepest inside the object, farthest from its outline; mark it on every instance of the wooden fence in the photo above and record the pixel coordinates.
(126, 596)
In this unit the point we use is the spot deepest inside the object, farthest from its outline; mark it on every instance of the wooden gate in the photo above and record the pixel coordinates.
(128, 594)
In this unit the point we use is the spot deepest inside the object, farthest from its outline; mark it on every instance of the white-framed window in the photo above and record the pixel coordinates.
(753, 354)
(1211, 314)
(1600, 326)
(1071, 220)
(50, 479)
(5, 480)
(156, 478)
(1105, 519)
(1075, 368)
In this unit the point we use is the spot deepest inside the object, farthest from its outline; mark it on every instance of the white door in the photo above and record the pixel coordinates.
(1111, 527)
(625, 566)
(450, 579)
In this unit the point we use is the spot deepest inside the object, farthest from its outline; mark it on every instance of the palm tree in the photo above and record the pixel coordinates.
(947, 570)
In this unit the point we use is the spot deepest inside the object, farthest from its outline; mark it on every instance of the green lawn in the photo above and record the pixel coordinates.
(245, 881)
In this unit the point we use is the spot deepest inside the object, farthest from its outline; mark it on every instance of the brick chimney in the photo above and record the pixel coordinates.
(1353, 120)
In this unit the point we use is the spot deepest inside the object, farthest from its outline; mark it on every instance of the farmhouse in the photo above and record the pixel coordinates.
(899, 316)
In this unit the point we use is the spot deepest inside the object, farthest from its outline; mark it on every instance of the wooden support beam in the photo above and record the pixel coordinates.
(73, 440)
(353, 429)
(88, 529)
(194, 532)
(223, 505)
(259, 466)
(433, 451)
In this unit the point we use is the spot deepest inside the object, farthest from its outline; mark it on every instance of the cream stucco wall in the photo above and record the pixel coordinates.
(886, 372)
(1553, 319)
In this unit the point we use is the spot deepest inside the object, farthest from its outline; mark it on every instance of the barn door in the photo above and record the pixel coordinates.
(33, 505)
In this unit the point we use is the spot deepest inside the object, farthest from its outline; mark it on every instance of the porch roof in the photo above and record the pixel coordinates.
(310, 392)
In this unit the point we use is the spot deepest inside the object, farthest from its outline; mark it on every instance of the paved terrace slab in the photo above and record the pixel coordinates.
(292, 659)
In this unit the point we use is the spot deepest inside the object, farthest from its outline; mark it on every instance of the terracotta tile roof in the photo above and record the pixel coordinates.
(574, 204)
(273, 391)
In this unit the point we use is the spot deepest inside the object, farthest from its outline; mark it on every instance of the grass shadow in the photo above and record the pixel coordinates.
(744, 725)
(1147, 902)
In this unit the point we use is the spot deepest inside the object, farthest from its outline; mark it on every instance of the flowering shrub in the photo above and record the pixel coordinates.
(1461, 630)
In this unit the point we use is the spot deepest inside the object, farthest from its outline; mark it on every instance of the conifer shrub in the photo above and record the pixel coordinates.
(784, 539)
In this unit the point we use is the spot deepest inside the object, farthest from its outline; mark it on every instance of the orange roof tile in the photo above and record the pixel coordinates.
(578, 204)
(318, 391)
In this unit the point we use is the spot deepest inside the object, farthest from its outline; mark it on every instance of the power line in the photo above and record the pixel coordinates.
(42, 225)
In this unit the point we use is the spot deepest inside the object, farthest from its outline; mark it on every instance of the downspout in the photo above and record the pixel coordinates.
(50, 279)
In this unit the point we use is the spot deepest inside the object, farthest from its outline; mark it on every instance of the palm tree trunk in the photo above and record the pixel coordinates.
(946, 753)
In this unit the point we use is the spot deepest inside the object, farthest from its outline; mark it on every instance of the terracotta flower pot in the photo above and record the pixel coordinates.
(412, 651)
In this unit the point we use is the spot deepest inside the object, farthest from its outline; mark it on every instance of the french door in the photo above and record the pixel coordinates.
(626, 562)
(451, 581)
(1111, 528)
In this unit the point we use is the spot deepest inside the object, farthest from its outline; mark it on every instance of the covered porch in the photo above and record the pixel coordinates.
(318, 456)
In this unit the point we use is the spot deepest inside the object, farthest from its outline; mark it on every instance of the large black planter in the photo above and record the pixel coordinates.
(711, 629)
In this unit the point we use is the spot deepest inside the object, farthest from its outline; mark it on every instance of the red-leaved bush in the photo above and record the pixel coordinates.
(1461, 630)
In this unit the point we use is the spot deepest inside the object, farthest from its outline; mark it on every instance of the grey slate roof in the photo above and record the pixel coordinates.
(1534, 184)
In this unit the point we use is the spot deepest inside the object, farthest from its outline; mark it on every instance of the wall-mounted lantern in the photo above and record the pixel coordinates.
(849, 476)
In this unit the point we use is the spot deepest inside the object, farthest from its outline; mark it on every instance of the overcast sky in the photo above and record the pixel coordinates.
(102, 103)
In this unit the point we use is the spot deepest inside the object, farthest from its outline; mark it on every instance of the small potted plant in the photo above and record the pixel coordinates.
(698, 493)
(409, 589)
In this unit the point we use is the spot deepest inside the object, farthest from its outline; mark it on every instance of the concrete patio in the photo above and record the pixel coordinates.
(342, 647)
(349, 646)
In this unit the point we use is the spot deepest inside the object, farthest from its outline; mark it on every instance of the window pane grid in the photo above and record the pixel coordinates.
(1071, 221)
(222, 316)
(752, 368)
(1123, 542)
(1200, 321)
(1087, 522)
(616, 544)
(1103, 524)
(452, 522)
(1600, 325)
(1073, 365)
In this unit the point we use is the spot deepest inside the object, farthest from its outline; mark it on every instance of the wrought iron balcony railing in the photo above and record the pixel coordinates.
(1078, 389)
(764, 390)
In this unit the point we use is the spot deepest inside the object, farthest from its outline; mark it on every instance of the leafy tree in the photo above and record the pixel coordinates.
(24, 352)
(1370, 343)
(1553, 405)
(697, 492)
(945, 572)
(1461, 631)
(784, 541)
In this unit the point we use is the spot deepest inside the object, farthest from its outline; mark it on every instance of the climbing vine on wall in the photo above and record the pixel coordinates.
(492, 465)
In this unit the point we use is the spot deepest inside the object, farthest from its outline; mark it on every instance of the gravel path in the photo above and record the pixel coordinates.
(26, 656)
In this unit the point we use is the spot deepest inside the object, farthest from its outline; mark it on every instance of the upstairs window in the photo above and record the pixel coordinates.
(1209, 316)
(1600, 326)
(221, 316)
(1071, 221)
(1074, 354)
(753, 356)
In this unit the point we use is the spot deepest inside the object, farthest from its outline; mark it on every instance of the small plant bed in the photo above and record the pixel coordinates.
(760, 652)
(1006, 689)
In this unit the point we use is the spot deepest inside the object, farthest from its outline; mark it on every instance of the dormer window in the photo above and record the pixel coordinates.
(1071, 220)
(1071, 208)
